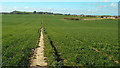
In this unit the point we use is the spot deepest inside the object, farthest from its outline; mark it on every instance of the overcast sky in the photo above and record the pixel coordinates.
(105, 7)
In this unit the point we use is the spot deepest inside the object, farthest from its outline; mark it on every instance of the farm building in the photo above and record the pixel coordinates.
(109, 17)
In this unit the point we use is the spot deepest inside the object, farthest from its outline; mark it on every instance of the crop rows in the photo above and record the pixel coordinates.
(84, 43)
(67, 42)
(20, 35)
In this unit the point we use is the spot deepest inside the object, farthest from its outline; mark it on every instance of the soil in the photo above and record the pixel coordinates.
(38, 58)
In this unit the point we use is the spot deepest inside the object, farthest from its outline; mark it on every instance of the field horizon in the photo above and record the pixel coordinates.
(59, 34)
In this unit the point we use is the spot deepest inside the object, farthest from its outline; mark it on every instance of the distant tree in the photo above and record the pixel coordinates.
(34, 12)
(69, 14)
(40, 13)
(102, 16)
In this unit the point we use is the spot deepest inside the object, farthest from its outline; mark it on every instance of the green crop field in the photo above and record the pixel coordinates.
(67, 42)
(20, 35)
(84, 42)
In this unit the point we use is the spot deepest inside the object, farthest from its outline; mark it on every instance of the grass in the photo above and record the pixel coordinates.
(78, 43)
(76, 40)
(0, 40)
(20, 35)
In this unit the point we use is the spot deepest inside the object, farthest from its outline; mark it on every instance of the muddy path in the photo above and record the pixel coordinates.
(38, 58)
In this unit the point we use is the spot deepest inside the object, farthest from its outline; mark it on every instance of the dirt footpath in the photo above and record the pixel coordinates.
(38, 56)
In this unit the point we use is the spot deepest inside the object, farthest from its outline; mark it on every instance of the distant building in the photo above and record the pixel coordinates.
(109, 17)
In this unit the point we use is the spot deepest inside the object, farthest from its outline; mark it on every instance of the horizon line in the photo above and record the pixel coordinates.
(60, 13)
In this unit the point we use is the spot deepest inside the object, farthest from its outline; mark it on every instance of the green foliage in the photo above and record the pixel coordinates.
(49, 52)
(20, 35)
(75, 40)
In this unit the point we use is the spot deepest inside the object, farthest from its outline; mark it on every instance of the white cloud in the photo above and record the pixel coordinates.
(14, 8)
(26, 7)
(0, 7)
(105, 1)
(113, 4)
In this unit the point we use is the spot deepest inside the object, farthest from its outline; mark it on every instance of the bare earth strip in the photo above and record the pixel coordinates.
(38, 56)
